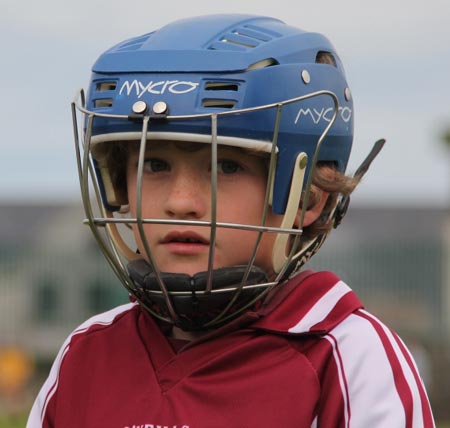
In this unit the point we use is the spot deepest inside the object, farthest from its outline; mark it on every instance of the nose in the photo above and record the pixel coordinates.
(188, 195)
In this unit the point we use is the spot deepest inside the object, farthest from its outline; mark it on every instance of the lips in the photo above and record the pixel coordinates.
(187, 237)
(185, 244)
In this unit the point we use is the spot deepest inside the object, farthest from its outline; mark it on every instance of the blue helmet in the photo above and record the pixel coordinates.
(225, 63)
(239, 80)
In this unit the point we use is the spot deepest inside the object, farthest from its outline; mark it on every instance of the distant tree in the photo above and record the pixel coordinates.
(446, 137)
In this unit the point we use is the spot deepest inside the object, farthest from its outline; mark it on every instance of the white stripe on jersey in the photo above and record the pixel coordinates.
(407, 371)
(369, 381)
(342, 379)
(321, 308)
(37, 414)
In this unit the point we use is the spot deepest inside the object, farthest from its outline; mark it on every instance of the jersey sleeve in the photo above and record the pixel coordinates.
(375, 382)
(43, 412)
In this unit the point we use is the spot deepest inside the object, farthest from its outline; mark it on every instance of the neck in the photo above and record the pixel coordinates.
(177, 333)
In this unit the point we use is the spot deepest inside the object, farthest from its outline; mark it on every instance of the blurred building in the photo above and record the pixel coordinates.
(397, 260)
(52, 274)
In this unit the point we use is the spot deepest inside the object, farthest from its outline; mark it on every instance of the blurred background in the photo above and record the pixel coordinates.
(393, 247)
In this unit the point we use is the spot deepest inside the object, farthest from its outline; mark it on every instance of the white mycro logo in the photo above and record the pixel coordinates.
(173, 86)
(324, 114)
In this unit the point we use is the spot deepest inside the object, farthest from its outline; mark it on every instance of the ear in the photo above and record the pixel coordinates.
(314, 211)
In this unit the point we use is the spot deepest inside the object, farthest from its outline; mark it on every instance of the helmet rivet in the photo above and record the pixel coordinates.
(139, 107)
(348, 94)
(303, 163)
(306, 76)
(160, 107)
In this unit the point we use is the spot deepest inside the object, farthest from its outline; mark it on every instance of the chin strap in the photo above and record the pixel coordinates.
(342, 207)
(196, 308)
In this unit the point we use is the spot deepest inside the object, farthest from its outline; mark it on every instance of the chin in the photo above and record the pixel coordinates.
(188, 269)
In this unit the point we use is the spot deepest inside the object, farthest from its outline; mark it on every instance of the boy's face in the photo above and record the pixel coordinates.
(176, 185)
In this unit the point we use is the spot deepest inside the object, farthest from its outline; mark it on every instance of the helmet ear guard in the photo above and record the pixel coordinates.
(309, 248)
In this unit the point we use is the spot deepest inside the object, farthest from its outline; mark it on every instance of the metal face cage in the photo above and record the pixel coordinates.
(110, 228)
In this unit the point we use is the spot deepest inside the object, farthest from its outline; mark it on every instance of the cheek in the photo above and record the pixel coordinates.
(240, 246)
(242, 203)
(148, 204)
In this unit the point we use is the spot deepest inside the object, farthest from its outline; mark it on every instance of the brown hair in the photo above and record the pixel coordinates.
(328, 179)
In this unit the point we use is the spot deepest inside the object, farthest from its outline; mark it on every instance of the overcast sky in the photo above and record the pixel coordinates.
(396, 54)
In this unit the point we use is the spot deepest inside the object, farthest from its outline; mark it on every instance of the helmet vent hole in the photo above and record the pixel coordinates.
(106, 86)
(246, 32)
(263, 64)
(223, 104)
(244, 37)
(221, 86)
(106, 102)
(134, 44)
(324, 57)
(239, 42)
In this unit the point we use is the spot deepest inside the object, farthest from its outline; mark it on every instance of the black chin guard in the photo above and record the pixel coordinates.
(195, 308)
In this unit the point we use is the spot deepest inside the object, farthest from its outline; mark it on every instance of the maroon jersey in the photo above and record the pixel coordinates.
(311, 358)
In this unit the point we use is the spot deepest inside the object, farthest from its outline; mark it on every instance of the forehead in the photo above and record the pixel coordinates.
(185, 146)
(192, 147)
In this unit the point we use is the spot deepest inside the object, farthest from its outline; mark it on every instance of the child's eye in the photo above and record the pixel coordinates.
(228, 167)
(155, 165)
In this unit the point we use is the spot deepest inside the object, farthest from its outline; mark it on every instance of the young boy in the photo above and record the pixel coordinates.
(216, 147)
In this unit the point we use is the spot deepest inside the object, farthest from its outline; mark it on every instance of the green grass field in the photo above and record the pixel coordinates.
(13, 421)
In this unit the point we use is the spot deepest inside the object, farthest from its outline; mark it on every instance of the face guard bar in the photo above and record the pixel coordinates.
(289, 251)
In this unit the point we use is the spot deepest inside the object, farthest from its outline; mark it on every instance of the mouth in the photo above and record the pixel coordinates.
(184, 237)
(185, 242)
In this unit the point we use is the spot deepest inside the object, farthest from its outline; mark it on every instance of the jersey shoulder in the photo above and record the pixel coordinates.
(378, 377)
(72, 351)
